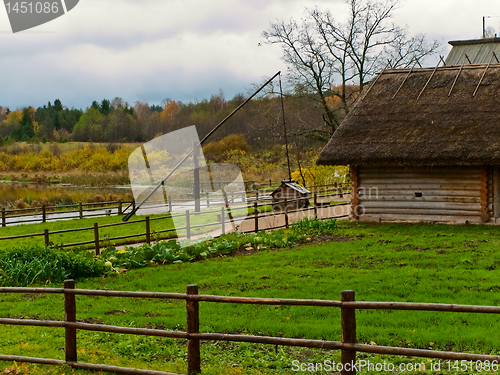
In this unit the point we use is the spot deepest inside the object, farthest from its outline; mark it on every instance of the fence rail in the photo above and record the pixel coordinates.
(119, 207)
(347, 304)
(259, 213)
(37, 214)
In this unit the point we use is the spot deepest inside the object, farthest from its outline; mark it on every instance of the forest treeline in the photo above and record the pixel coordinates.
(260, 120)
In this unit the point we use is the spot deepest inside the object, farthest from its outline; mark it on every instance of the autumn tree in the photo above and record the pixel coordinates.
(12, 121)
(326, 56)
(89, 126)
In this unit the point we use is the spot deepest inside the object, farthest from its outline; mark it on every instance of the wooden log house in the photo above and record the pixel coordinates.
(424, 145)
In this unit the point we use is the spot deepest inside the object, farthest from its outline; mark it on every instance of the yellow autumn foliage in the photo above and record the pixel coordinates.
(318, 175)
(87, 159)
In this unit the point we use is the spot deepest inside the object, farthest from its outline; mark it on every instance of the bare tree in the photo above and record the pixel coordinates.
(331, 61)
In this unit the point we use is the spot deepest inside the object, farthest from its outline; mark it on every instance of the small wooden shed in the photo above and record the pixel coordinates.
(424, 145)
(297, 196)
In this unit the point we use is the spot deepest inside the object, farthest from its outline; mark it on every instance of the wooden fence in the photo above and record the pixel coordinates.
(348, 344)
(259, 212)
(86, 210)
(82, 209)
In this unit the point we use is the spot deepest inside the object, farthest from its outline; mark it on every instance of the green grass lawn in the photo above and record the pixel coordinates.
(86, 234)
(136, 225)
(381, 262)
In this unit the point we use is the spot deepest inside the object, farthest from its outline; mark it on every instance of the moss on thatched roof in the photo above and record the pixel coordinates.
(438, 128)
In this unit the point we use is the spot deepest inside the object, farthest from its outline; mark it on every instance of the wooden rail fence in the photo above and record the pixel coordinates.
(348, 344)
(81, 209)
(86, 210)
(259, 212)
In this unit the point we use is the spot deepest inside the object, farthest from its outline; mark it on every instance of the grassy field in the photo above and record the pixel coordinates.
(381, 262)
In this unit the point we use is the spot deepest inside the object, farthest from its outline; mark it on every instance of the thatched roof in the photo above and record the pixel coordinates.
(435, 128)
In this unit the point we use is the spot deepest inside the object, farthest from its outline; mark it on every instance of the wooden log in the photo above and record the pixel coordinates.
(46, 237)
(4, 221)
(434, 193)
(416, 211)
(348, 326)
(413, 175)
(70, 316)
(424, 198)
(422, 217)
(419, 181)
(420, 205)
(148, 231)
(416, 186)
(256, 217)
(96, 239)
(80, 209)
(286, 213)
(193, 326)
(428, 170)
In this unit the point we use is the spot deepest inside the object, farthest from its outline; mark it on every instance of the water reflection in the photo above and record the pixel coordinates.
(60, 194)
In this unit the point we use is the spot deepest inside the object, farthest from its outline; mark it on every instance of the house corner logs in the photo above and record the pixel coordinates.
(483, 188)
(354, 192)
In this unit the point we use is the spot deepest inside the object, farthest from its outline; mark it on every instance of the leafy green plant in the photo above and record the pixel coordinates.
(171, 252)
(315, 227)
(36, 265)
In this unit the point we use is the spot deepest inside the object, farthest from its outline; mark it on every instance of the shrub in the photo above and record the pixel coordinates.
(20, 203)
(227, 144)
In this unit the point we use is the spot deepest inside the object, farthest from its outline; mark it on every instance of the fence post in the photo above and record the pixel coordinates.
(315, 205)
(341, 191)
(286, 212)
(148, 232)
(223, 220)
(80, 209)
(169, 198)
(193, 326)
(70, 316)
(4, 222)
(46, 236)
(133, 204)
(208, 200)
(120, 207)
(256, 215)
(348, 324)
(44, 213)
(96, 238)
(188, 225)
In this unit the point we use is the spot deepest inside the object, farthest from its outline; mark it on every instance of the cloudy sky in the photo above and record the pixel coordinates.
(187, 50)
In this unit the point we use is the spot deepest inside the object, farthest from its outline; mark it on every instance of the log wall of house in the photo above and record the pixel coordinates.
(442, 194)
